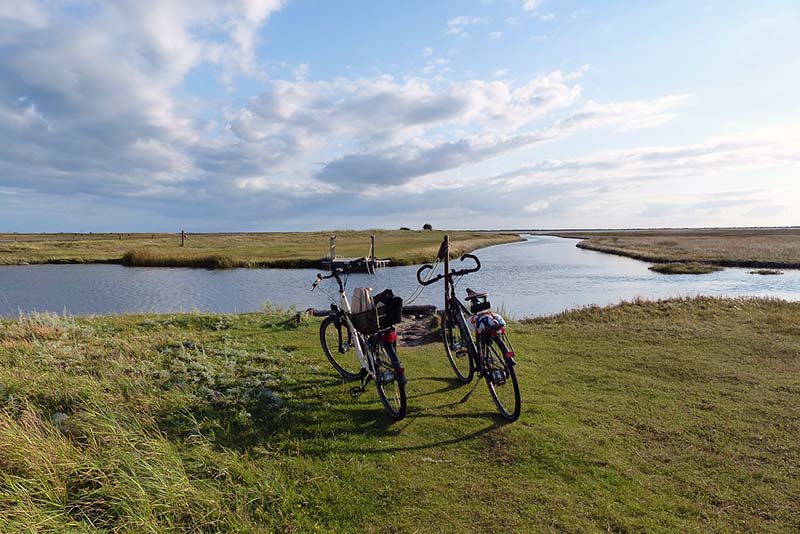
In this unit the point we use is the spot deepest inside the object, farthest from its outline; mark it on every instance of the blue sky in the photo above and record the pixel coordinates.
(146, 115)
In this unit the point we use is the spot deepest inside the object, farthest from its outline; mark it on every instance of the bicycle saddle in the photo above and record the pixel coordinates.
(475, 295)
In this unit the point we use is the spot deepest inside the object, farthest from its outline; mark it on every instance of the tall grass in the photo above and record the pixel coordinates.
(767, 248)
(215, 251)
(685, 268)
(671, 416)
(150, 258)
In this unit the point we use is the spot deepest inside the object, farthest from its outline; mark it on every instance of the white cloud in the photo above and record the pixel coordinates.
(496, 35)
(768, 148)
(97, 89)
(539, 205)
(402, 163)
(380, 112)
(531, 5)
(457, 25)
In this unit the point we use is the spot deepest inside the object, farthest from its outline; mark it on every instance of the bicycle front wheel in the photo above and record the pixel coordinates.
(390, 381)
(338, 346)
(456, 339)
(501, 379)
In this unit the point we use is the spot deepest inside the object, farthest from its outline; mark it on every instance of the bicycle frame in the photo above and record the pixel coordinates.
(359, 340)
(344, 306)
(449, 300)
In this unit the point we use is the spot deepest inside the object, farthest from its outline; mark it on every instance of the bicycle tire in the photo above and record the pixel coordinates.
(499, 363)
(392, 392)
(456, 348)
(345, 360)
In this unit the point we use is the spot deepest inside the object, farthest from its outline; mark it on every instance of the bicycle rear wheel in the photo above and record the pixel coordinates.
(501, 379)
(337, 344)
(390, 381)
(456, 339)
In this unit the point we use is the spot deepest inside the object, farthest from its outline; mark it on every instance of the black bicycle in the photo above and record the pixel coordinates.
(363, 346)
(489, 353)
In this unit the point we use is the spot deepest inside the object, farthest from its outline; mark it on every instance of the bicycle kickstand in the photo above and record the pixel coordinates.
(356, 391)
(471, 391)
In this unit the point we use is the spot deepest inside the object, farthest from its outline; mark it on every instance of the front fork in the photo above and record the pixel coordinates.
(340, 321)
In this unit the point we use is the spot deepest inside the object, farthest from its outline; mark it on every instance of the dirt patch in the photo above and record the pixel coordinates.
(413, 331)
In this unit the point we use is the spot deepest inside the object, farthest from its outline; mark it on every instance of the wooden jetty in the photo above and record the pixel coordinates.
(364, 264)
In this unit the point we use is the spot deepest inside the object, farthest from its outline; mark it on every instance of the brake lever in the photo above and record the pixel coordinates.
(316, 282)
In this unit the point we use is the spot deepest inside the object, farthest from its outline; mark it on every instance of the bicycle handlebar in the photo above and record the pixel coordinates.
(429, 282)
(334, 274)
(460, 272)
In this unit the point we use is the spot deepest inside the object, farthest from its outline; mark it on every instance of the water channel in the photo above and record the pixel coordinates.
(539, 276)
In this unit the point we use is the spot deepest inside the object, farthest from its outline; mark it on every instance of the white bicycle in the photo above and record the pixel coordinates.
(363, 346)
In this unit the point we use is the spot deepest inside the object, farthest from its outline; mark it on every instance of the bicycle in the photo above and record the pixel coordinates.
(363, 346)
(490, 353)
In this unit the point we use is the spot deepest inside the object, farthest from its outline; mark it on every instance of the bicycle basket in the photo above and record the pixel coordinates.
(388, 311)
(366, 322)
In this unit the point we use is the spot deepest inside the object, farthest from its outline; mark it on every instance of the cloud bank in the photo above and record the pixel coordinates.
(96, 110)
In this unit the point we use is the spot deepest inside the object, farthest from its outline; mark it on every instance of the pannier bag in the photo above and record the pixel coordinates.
(386, 310)
(488, 322)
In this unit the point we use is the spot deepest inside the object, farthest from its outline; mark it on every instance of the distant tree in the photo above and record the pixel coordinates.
(427, 226)
(405, 228)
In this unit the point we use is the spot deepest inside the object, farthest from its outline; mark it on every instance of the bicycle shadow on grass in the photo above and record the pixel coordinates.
(491, 426)
(450, 385)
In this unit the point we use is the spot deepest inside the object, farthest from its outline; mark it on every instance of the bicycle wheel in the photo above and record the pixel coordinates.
(455, 335)
(390, 381)
(501, 379)
(337, 344)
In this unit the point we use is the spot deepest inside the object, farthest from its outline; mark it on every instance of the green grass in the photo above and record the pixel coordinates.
(150, 258)
(767, 248)
(672, 416)
(287, 250)
(685, 268)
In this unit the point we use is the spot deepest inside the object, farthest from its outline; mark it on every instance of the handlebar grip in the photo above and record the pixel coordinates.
(419, 274)
(474, 258)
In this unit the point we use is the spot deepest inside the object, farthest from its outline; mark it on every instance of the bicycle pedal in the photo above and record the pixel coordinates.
(461, 353)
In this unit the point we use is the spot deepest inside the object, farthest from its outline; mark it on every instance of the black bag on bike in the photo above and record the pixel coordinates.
(390, 308)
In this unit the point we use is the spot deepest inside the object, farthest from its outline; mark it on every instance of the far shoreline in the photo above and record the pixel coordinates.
(278, 250)
(753, 248)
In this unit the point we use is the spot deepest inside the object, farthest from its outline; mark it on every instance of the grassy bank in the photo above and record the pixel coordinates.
(691, 267)
(300, 249)
(754, 248)
(673, 416)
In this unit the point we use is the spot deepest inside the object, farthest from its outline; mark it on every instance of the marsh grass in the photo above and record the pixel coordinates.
(767, 248)
(766, 272)
(150, 258)
(226, 251)
(685, 268)
(670, 416)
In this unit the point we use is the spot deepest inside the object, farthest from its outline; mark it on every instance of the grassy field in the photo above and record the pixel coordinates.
(300, 249)
(674, 416)
(757, 248)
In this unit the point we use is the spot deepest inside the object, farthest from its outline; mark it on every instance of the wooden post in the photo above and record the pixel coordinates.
(183, 238)
(333, 247)
(372, 248)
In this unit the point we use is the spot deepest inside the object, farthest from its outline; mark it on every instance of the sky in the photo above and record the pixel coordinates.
(284, 115)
